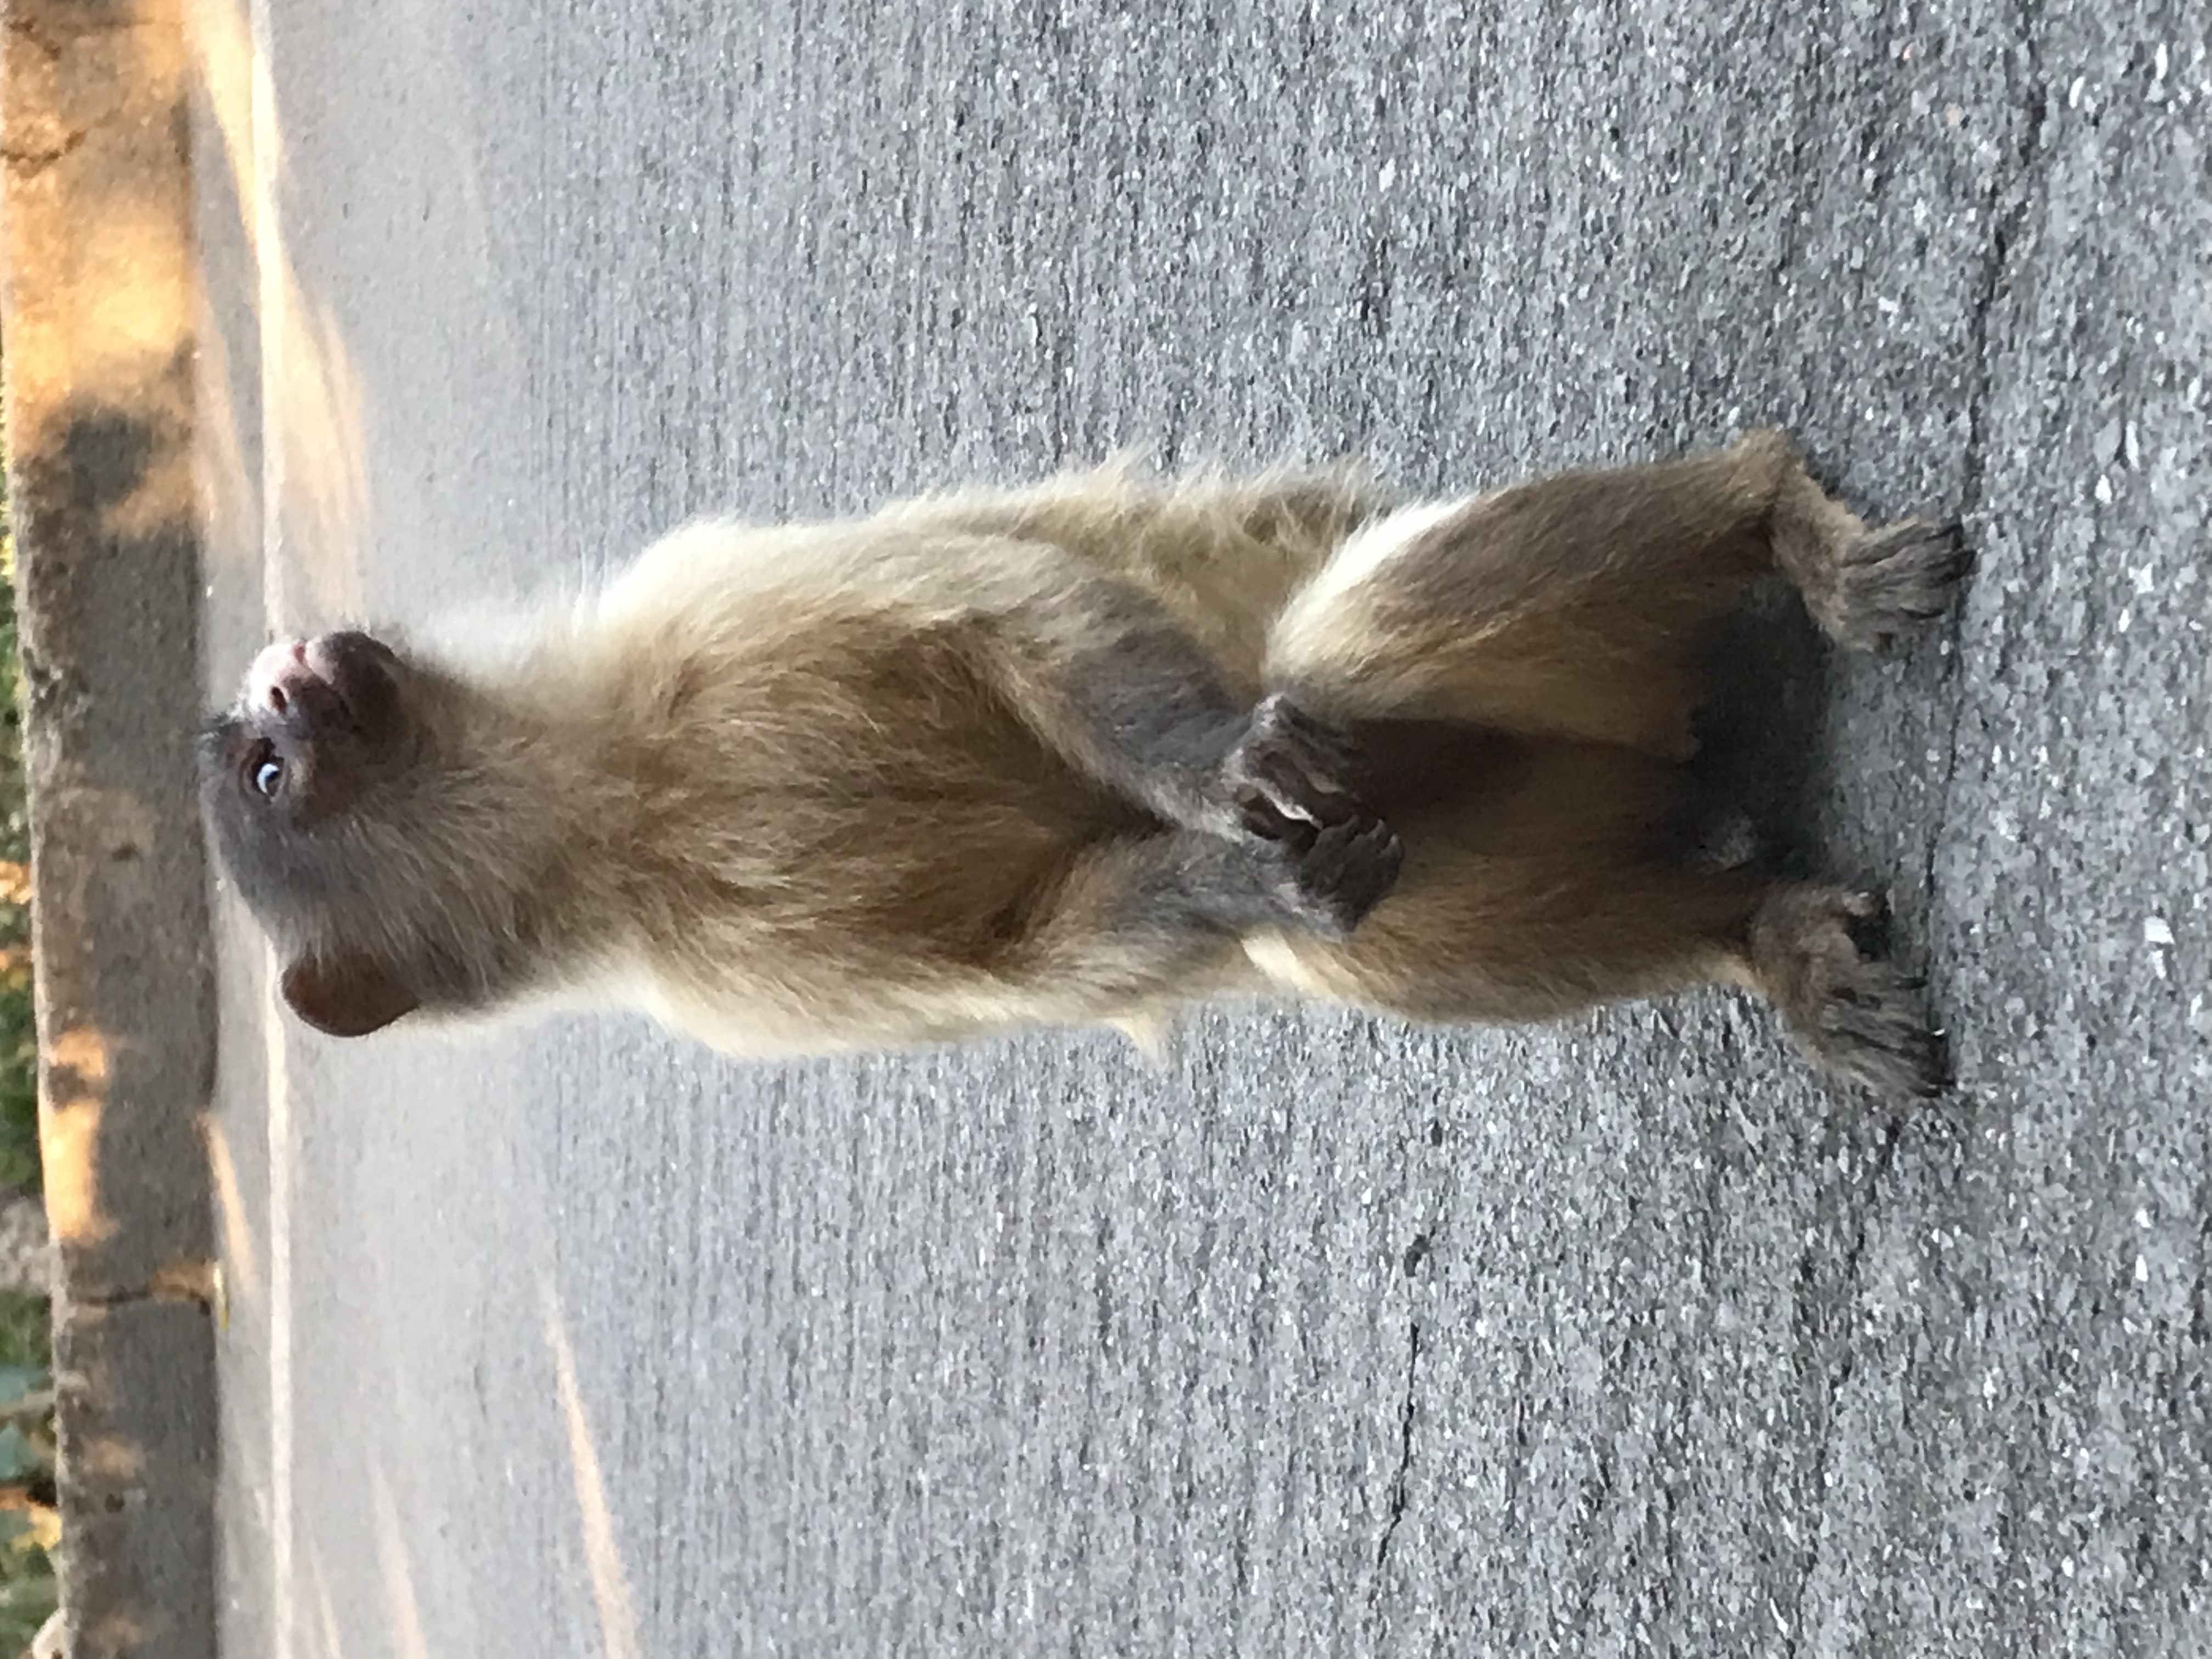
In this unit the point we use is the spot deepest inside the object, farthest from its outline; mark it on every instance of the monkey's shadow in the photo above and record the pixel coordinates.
(1762, 730)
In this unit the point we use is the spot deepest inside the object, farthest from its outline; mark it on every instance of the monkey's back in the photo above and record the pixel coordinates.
(1223, 556)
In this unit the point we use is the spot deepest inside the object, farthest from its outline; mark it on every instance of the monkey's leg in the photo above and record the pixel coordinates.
(1560, 886)
(1144, 920)
(1506, 944)
(1807, 951)
(1572, 605)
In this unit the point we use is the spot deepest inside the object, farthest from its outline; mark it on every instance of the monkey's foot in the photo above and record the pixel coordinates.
(1893, 582)
(1288, 781)
(1815, 951)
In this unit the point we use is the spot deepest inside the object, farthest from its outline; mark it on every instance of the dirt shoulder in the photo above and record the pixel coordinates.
(101, 303)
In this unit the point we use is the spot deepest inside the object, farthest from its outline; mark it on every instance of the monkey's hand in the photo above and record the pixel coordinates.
(1289, 780)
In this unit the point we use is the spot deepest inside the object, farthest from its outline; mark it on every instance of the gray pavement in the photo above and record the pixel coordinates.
(1625, 1336)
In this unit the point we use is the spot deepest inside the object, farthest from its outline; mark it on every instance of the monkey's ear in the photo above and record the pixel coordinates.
(347, 994)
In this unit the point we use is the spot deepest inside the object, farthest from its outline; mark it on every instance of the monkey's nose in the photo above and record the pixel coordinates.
(275, 665)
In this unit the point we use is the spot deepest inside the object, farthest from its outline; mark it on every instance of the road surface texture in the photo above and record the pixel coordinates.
(1626, 1336)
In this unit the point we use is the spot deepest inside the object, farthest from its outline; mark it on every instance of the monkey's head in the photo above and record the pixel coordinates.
(328, 790)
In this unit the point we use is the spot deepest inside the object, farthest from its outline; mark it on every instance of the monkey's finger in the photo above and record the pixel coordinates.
(1313, 750)
(1263, 815)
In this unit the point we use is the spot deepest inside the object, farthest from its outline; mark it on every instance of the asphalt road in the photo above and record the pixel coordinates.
(1622, 1337)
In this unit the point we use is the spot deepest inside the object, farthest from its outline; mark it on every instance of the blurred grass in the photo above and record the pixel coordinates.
(29, 1529)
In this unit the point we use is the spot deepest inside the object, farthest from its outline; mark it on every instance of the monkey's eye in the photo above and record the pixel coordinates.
(266, 773)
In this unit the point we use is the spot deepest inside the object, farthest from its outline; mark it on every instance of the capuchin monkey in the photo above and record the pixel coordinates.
(1083, 753)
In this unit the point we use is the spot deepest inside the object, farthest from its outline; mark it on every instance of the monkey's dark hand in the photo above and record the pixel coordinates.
(1289, 780)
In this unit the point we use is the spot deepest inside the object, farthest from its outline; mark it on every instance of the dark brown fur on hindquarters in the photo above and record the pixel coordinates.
(1566, 612)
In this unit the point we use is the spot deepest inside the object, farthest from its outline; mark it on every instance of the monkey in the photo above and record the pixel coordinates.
(1082, 753)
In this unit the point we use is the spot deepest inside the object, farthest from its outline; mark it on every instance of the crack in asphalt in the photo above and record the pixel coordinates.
(1418, 1259)
(208, 1301)
(30, 162)
(1401, 1478)
(2012, 193)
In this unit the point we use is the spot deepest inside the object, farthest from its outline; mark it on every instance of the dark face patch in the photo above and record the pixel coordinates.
(318, 725)
(322, 729)
(350, 807)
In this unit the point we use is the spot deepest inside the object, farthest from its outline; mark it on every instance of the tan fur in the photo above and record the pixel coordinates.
(827, 785)
(840, 825)
(762, 682)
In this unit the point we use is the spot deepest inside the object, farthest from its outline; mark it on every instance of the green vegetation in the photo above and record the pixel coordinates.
(29, 1529)
(18, 1096)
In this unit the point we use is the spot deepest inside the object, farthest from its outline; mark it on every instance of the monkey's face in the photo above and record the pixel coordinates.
(324, 745)
(316, 726)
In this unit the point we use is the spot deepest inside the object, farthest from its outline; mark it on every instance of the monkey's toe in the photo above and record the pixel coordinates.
(1870, 1033)
(1290, 777)
(1851, 1010)
(1894, 580)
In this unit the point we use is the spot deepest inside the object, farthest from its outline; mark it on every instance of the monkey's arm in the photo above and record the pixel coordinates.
(1148, 920)
(1126, 927)
(1218, 542)
(1108, 679)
